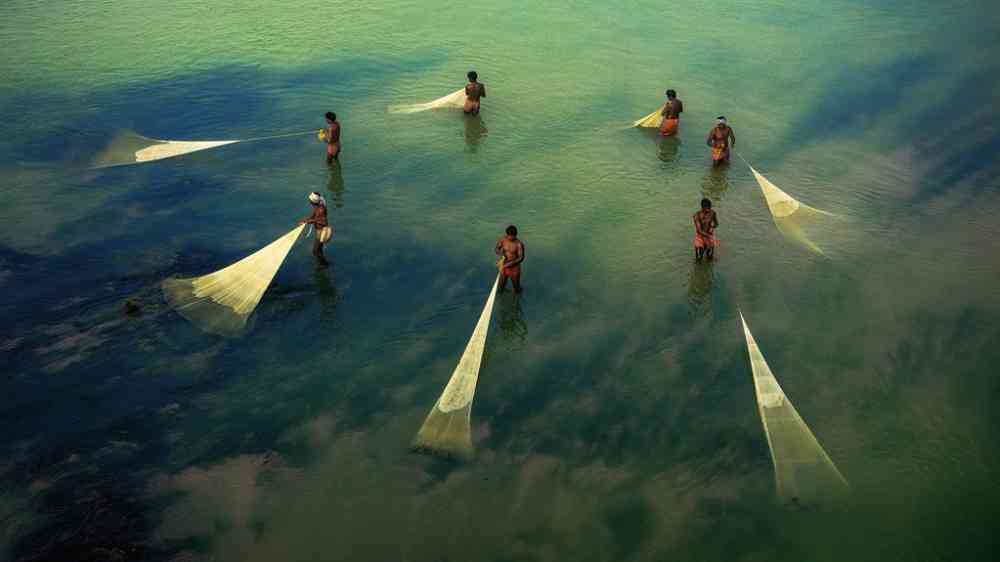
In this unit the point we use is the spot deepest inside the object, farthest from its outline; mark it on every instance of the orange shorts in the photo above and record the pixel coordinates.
(701, 242)
(670, 127)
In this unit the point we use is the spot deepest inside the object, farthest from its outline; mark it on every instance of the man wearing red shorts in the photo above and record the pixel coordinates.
(705, 223)
(512, 250)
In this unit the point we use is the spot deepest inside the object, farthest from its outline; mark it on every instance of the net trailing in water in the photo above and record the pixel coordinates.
(790, 215)
(447, 430)
(654, 119)
(803, 472)
(128, 147)
(453, 100)
(222, 302)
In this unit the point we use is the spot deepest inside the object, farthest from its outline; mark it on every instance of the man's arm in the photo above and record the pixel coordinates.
(482, 90)
(311, 219)
(715, 220)
(697, 225)
(732, 135)
(708, 139)
(663, 111)
(499, 247)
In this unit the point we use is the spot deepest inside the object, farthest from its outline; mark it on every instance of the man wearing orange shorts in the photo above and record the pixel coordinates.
(721, 138)
(705, 223)
(512, 251)
(671, 115)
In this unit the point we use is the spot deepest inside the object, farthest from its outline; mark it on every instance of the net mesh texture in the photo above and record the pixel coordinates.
(803, 472)
(222, 302)
(447, 431)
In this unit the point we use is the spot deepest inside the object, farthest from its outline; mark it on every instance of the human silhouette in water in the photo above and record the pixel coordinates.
(512, 250)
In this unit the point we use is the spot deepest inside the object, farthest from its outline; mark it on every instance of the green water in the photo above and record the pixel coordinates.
(615, 417)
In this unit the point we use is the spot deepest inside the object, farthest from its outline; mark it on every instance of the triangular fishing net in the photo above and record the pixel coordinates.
(654, 119)
(221, 302)
(131, 148)
(803, 472)
(446, 430)
(456, 100)
(790, 215)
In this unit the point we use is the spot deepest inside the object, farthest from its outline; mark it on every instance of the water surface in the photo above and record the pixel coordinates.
(615, 416)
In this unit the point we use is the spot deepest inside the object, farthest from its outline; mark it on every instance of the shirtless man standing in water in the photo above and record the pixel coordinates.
(671, 113)
(332, 135)
(474, 91)
(512, 251)
(719, 139)
(705, 223)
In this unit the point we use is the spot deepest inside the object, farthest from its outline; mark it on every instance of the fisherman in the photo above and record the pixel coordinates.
(511, 250)
(705, 223)
(322, 227)
(671, 114)
(474, 91)
(719, 139)
(332, 136)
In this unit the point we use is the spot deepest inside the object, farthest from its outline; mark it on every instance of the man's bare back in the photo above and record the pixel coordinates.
(474, 91)
(706, 220)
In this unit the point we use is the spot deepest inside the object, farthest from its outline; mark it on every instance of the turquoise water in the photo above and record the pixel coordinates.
(615, 416)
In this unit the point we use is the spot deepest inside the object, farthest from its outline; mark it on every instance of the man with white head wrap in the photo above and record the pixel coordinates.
(319, 222)
(721, 138)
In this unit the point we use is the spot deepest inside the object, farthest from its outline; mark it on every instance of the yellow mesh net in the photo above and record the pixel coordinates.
(221, 302)
(456, 99)
(803, 472)
(128, 147)
(446, 430)
(790, 215)
(654, 119)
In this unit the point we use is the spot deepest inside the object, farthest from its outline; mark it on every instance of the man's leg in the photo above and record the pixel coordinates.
(318, 251)
(516, 279)
(503, 281)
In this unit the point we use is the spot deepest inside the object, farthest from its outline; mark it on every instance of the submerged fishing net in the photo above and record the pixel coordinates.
(803, 472)
(654, 119)
(790, 216)
(446, 430)
(456, 99)
(221, 302)
(131, 148)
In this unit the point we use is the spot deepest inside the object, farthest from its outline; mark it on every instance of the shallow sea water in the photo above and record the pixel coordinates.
(615, 416)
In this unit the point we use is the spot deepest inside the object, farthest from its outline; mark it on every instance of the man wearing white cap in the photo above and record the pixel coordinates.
(719, 139)
(319, 222)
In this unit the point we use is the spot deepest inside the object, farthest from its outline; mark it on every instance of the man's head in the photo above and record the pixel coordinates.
(706, 204)
(315, 198)
(472, 76)
(671, 94)
(722, 120)
(511, 232)
(331, 116)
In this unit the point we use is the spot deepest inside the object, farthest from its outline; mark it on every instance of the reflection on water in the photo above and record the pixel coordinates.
(715, 183)
(475, 130)
(569, 465)
(326, 287)
(668, 148)
(510, 320)
(336, 185)
(700, 282)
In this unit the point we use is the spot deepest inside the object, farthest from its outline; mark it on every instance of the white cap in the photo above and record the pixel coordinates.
(314, 197)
